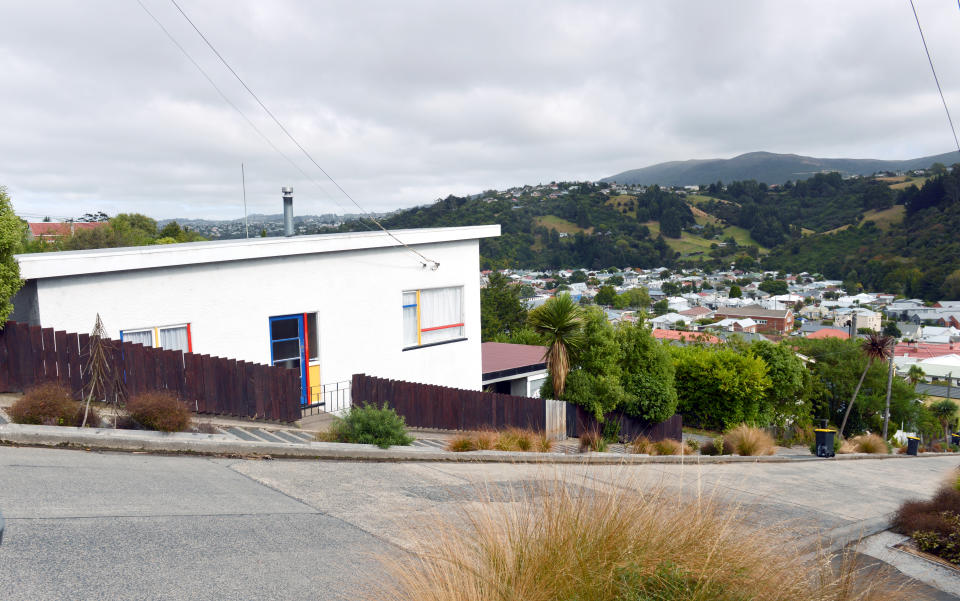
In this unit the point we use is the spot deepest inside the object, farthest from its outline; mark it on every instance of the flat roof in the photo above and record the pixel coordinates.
(100, 260)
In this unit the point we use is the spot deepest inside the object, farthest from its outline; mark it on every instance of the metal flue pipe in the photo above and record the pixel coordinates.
(287, 192)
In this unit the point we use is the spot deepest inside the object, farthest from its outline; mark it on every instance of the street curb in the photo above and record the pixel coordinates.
(108, 439)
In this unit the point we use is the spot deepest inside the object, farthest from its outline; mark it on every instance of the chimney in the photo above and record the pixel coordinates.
(287, 192)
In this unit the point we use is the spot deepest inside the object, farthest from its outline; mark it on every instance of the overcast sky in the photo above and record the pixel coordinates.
(404, 102)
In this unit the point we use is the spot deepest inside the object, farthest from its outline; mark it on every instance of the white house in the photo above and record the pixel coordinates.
(328, 305)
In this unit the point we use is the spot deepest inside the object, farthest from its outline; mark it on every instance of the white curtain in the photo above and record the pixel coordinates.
(441, 307)
(409, 319)
(144, 337)
(174, 339)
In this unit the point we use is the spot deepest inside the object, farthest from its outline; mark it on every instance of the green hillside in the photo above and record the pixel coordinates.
(766, 167)
(885, 233)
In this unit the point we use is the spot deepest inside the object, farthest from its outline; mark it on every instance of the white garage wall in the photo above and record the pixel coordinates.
(357, 294)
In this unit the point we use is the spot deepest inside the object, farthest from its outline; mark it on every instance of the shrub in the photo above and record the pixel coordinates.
(461, 444)
(544, 443)
(567, 539)
(936, 448)
(694, 444)
(712, 447)
(370, 424)
(159, 410)
(50, 404)
(747, 440)
(935, 524)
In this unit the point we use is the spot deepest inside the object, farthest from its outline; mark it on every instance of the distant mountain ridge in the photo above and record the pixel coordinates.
(767, 167)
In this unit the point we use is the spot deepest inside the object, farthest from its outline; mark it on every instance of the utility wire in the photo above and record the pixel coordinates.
(932, 70)
(427, 261)
(227, 100)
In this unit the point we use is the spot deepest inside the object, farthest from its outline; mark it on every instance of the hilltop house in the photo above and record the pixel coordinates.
(328, 305)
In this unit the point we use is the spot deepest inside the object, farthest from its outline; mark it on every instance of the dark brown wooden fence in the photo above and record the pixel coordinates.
(30, 355)
(580, 421)
(427, 406)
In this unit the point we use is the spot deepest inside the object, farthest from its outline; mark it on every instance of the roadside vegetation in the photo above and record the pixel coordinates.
(368, 424)
(934, 525)
(560, 539)
(511, 439)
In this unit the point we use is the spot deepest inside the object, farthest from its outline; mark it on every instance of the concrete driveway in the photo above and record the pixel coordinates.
(129, 526)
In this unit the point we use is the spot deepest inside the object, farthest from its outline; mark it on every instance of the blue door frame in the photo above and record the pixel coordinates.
(302, 353)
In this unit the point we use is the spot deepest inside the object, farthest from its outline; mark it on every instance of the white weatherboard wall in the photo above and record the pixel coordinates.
(356, 292)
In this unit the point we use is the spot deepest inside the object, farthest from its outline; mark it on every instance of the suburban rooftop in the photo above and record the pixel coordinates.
(76, 262)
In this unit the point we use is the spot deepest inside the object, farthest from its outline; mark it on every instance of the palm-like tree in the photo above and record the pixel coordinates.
(916, 374)
(560, 322)
(877, 348)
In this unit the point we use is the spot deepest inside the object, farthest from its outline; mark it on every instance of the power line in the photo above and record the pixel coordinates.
(227, 100)
(934, 71)
(294, 140)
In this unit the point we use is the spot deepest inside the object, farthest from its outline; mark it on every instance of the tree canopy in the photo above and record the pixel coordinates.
(12, 231)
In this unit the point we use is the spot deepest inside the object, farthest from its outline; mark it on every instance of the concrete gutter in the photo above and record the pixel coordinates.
(108, 439)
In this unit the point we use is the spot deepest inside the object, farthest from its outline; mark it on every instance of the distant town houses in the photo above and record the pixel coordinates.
(696, 302)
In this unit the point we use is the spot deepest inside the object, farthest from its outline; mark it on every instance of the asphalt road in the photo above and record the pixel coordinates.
(121, 526)
(86, 525)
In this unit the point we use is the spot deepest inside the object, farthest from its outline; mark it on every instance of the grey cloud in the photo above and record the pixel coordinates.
(407, 101)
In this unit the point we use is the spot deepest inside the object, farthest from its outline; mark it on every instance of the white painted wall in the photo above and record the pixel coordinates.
(357, 293)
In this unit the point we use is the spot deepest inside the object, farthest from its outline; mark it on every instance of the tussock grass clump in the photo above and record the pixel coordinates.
(669, 446)
(159, 410)
(566, 540)
(50, 404)
(485, 440)
(644, 446)
(747, 440)
(870, 443)
(592, 441)
(511, 439)
(461, 444)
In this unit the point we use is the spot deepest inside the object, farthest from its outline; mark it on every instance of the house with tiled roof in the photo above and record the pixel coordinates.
(49, 232)
(778, 320)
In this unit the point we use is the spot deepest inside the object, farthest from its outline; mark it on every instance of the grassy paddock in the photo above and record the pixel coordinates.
(567, 539)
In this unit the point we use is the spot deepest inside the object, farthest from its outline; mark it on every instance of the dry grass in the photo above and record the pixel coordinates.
(747, 440)
(511, 439)
(870, 443)
(567, 540)
(461, 444)
(592, 441)
(644, 446)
